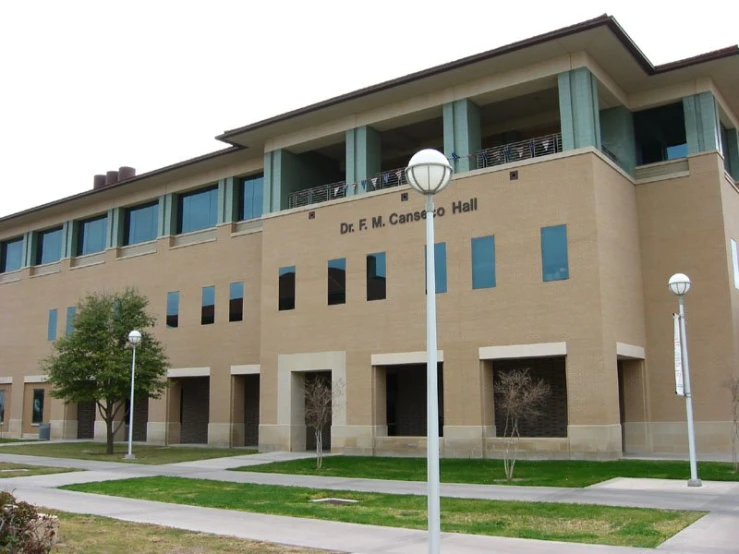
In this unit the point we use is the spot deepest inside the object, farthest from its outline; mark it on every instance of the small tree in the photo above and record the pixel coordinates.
(733, 388)
(519, 398)
(93, 363)
(320, 398)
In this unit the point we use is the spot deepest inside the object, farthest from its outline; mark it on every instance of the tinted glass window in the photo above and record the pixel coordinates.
(483, 262)
(37, 413)
(660, 134)
(11, 255)
(725, 147)
(197, 210)
(555, 265)
(337, 281)
(92, 235)
(250, 198)
(236, 302)
(49, 246)
(2, 406)
(141, 224)
(440, 266)
(71, 312)
(51, 325)
(376, 276)
(287, 288)
(173, 309)
(208, 308)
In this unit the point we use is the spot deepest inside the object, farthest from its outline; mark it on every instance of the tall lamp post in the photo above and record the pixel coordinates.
(134, 337)
(429, 172)
(679, 286)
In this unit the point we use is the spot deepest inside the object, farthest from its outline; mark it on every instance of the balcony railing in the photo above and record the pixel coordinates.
(517, 151)
(314, 195)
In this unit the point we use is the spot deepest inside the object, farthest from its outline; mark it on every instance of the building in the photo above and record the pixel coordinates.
(584, 177)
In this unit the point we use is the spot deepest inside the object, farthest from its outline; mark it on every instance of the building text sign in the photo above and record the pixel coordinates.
(401, 218)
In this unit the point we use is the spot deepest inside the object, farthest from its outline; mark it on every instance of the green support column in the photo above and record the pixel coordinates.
(115, 228)
(462, 134)
(28, 251)
(69, 239)
(363, 157)
(578, 109)
(733, 153)
(226, 200)
(617, 135)
(701, 122)
(272, 181)
(167, 215)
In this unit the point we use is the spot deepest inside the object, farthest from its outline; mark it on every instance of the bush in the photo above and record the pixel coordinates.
(22, 529)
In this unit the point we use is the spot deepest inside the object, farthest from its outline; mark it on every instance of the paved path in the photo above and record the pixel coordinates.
(716, 533)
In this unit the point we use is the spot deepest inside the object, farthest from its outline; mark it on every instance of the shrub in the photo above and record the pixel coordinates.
(22, 529)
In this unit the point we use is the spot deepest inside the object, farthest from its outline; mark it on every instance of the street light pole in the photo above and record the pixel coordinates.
(134, 337)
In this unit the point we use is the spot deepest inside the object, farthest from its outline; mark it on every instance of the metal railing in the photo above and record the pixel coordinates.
(517, 151)
(314, 195)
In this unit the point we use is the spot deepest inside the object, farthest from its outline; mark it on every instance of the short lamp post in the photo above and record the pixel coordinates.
(679, 286)
(134, 337)
(429, 172)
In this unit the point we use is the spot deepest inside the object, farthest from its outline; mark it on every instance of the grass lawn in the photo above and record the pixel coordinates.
(144, 454)
(8, 470)
(4, 441)
(551, 473)
(82, 534)
(531, 520)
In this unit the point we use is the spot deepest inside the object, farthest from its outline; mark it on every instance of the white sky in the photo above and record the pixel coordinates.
(88, 86)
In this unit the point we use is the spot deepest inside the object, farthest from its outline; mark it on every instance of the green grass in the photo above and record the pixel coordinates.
(144, 454)
(538, 520)
(8, 470)
(8, 441)
(552, 473)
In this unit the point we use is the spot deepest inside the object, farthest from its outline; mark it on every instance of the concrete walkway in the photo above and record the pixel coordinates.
(716, 533)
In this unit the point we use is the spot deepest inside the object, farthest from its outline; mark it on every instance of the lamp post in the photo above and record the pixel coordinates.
(134, 337)
(679, 286)
(429, 172)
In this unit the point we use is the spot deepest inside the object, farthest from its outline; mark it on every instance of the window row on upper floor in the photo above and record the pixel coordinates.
(208, 305)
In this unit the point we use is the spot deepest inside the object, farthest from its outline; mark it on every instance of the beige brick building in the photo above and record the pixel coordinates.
(584, 178)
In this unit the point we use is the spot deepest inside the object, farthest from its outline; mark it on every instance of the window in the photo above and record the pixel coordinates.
(173, 309)
(93, 235)
(11, 255)
(250, 197)
(71, 311)
(208, 306)
(286, 299)
(337, 281)
(660, 134)
(439, 266)
(236, 302)
(51, 325)
(49, 246)
(555, 266)
(197, 210)
(483, 262)
(140, 223)
(2, 407)
(376, 276)
(724, 145)
(37, 415)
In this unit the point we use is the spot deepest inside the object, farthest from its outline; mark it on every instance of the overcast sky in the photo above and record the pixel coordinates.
(89, 86)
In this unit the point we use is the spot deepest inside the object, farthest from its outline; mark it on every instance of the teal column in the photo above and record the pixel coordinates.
(69, 239)
(363, 158)
(28, 255)
(116, 226)
(272, 181)
(733, 153)
(225, 201)
(167, 217)
(462, 134)
(617, 135)
(701, 123)
(578, 109)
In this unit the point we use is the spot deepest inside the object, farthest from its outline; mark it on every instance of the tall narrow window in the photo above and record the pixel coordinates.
(51, 325)
(250, 197)
(439, 266)
(660, 134)
(376, 276)
(37, 413)
(483, 262)
(173, 309)
(48, 246)
(555, 265)
(71, 312)
(236, 302)
(287, 288)
(2, 407)
(197, 210)
(11, 255)
(337, 281)
(92, 235)
(208, 306)
(140, 223)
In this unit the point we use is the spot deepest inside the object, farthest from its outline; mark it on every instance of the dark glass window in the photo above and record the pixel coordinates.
(376, 276)
(71, 312)
(439, 266)
(236, 302)
(140, 223)
(725, 148)
(37, 415)
(287, 288)
(660, 134)
(250, 197)
(93, 235)
(337, 281)
(2, 406)
(51, 325)
(555, 266)
(197, 210)
(11, 255)
(173, 309)
(49, 246)
(208, 307)
(483, 262)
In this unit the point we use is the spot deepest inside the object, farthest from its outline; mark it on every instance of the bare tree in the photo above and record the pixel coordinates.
(733, 388)
(519, 398)
(320, 398)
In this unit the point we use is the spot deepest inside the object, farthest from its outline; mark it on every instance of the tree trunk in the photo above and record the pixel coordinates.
(108, 428)
(319, 448)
